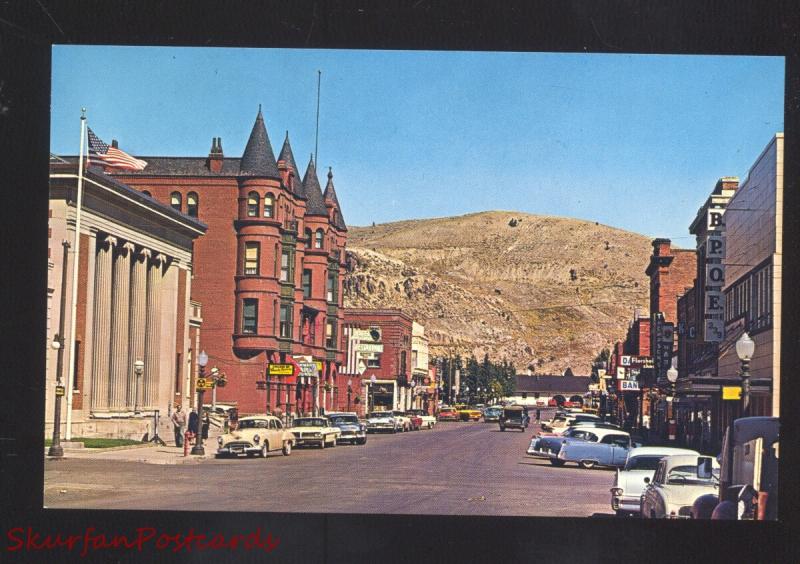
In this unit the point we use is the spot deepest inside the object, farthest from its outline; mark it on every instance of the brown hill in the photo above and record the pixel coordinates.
(537, 290)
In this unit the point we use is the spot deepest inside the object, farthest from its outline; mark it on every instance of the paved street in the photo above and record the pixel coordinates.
(456, 468)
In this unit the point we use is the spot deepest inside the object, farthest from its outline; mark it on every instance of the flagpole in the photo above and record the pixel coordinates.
(75, 261)
(316, 135)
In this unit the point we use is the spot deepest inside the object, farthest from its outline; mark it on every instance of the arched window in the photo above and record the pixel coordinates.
(146, 193)
(309, 236)
(252, 204)
(175, 200)
(318, 239)
(191, 204)
(269, 206)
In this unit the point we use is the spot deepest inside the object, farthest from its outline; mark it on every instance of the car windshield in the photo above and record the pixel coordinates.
(309, 422)
(253, 424)
(339, 419)
(643, 463)
(680, 475)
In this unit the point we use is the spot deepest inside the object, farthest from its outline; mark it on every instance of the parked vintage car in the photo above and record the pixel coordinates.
(352, 429)
(383, 421)
(257, 434)
(564, 420)
(428, 421)
(629, 482)
(514, 417)
(315, 431)
(749, 472)
(611, 450)
(550, 446)
(405, 421)
(469, 414)
(448, 414)
(677, 483)
(582, 425)
(416, 420)
(492, 413)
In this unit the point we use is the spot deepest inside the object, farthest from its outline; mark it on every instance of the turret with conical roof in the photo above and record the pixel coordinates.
(287, 157)
(258, 158)
(316, 202)
(332, 201)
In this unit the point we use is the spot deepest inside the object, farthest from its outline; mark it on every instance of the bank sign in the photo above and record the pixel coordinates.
(628, 385)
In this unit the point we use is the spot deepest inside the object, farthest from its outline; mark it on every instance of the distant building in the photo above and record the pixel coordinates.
(378, 343)
(133, 303)
(538, 390)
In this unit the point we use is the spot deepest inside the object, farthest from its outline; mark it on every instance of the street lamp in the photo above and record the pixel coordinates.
(56, 450)
(413, 389)
(672, 377)
(745, 347)
(349, 391)
(202, 360)
(138, 369)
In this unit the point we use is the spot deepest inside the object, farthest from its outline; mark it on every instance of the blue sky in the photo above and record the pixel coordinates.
(632, 141)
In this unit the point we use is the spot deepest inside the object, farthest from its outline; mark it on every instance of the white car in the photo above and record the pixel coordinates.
(405, 422)
(315, 431)
(256, 435)
(676, 485)
(428, 421)
(383, 421)
(629, 482)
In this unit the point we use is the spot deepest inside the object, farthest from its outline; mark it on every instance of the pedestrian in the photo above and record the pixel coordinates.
(234, 418)
(206, 425)
(194, 420)
(179, 421)
(538, 415)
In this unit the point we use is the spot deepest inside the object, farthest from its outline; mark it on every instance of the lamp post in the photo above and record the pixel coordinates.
(745, 347)
(202, 360)
(214, 378)
(349, 391)
(138, 369)
(672, 377)
(413, 390)
(56, 450)
(372, 380)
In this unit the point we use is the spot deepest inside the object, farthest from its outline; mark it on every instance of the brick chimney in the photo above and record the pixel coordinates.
(215, 156)
(661, 247)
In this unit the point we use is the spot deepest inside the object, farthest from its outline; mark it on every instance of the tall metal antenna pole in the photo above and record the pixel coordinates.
(316, 137)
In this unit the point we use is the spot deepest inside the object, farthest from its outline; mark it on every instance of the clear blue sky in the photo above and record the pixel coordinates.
(633, 141)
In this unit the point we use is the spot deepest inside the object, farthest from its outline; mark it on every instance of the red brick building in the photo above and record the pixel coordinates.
(381, 340)
(268, 271)
(671, 271)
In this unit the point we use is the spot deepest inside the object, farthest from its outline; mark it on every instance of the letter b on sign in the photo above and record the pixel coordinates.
(715, 221)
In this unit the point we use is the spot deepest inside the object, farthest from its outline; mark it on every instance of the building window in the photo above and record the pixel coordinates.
(306, 283)
(318, 237)
(277, 258)
(269, 206)
(286, 321)
(331, 293)
(191, 204)
(374, 361)
(330, 334)
(402, 362)
(249, 315)
(252, 204)
(309, 236)
(286, 266)
(175, 200)
(251, 258)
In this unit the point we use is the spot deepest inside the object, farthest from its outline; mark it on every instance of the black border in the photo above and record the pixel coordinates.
(27, 30)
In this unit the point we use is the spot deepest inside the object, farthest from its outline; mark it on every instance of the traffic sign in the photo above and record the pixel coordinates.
(731, 392)
(203, 384)
(59, 390)
(361, 367)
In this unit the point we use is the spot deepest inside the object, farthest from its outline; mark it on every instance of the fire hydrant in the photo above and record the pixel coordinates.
(187, 437)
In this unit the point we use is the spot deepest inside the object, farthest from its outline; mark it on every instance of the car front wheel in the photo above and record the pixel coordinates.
(264, 451)
(287, 448)
(587, 464)
(322, 443)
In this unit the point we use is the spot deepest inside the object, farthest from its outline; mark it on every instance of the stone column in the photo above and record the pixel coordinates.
(101, 324)
(152, 336)
(136, 329)
(120, 303)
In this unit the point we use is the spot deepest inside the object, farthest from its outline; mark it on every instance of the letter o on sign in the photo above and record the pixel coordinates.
(716, 274)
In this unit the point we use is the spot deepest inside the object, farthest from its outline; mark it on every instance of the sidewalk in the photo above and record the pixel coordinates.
(148, 453)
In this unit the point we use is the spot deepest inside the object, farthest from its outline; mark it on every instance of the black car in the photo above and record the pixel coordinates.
(514, 417)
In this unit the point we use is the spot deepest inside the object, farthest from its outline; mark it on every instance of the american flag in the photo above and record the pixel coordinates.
(102, 154)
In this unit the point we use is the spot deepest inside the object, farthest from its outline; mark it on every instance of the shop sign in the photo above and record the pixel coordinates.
(276, 369)
(731, 392)
(625, 360)
(714, 220)
(620, 373)
(369, 347)
(318, 364)
(308, 369)
(628, 386)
